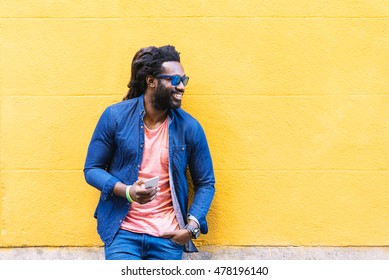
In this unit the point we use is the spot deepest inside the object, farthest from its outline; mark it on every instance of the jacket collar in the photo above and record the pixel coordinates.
(142, 111)
(141, 105)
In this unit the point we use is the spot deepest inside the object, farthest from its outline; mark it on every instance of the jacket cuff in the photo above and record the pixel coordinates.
(193, 218)
(199, 214)
(108, 188)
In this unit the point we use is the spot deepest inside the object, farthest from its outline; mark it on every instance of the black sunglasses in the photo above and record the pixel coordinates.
(175, 79)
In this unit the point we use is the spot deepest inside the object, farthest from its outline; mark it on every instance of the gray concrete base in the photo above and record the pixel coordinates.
(209, 253)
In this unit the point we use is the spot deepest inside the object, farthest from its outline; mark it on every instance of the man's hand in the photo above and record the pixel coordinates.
(140, 194)
(181, 236)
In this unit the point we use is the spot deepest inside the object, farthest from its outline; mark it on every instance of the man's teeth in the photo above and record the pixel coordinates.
(178, 95)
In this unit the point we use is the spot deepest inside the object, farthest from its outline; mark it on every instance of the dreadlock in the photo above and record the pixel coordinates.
(148, 61)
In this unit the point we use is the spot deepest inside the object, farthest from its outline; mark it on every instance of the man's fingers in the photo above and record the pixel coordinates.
(139, 182)
(143, 199)
(143, 195)
(149, 195)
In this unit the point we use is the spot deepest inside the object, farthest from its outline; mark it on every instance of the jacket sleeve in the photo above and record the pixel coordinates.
(201, 169)
(99, 155)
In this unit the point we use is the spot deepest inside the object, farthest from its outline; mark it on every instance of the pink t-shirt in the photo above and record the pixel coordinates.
(157, 216)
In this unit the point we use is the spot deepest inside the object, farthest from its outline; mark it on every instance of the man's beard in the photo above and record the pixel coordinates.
(162, 99)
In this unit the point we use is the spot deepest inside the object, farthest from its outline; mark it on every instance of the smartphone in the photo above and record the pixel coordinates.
(153, 182)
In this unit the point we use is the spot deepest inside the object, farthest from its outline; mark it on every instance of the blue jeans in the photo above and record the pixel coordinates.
(138, 246)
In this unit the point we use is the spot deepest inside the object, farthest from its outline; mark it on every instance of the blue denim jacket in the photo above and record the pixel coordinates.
(115, 154)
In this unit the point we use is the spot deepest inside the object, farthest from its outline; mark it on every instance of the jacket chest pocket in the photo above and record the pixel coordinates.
(180, 158)
(127, 148)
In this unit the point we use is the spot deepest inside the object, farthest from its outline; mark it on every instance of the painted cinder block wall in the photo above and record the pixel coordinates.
(293, 96)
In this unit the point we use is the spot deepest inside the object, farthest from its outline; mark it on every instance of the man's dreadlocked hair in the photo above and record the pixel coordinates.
(148, 61)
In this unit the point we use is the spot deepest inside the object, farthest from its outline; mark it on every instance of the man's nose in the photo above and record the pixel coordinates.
(180, 87)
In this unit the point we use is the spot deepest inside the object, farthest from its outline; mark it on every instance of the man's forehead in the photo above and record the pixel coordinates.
(173, 67)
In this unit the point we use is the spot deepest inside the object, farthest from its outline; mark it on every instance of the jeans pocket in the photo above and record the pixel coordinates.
(175, 243)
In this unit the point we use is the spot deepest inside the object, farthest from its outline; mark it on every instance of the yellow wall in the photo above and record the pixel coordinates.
(293, 96)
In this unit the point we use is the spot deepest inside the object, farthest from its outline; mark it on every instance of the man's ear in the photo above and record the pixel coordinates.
(151, 81)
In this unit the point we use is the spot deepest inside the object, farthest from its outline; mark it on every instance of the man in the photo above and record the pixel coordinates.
(148, 135)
